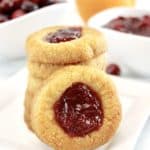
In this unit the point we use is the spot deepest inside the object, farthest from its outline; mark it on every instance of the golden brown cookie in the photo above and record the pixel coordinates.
(81, 44)
(40, 72)
(43, 71)
(34, 84)
(28, 103)
(77, 107)
(33, 87)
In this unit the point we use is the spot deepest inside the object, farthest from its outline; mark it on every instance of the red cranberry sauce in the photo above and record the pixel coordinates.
(11, 9)
(64, 35)
(134, 25)
(79, 110)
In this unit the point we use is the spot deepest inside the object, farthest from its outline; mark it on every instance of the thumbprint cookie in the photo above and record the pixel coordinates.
(65, 45)
(77, 109)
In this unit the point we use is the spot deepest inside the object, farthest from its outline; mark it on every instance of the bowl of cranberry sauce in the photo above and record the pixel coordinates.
(18, 19)
(133, 25)
(127, 31)
(12, 9)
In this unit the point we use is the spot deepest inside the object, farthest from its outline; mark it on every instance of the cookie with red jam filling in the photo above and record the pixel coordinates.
(40, 72)
(77, 108)
(65, 45)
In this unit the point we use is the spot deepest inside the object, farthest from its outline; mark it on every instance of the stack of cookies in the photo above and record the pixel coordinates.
(70, 102)
(56, 47)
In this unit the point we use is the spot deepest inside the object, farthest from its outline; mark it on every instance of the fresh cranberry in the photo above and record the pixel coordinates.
(36, 1)
(64, 35)
(116, 24)
(119, 27)
(6, 6)
(17, 3)
(146, 20)
(3, 18)
(113, 69)
(17, 13)
(144, 29)
(29, 6)
(47, 2)
(79, 110)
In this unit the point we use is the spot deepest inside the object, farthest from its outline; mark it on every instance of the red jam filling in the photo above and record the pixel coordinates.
(79, 110)
(134, 25)
(64, 35)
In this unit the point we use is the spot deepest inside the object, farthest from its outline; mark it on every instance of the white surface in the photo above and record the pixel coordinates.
(130, 50)
(14, 135)
(14, 33)
(7, 68)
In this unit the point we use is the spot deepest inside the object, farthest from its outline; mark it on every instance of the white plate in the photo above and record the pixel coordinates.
(15, 135)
